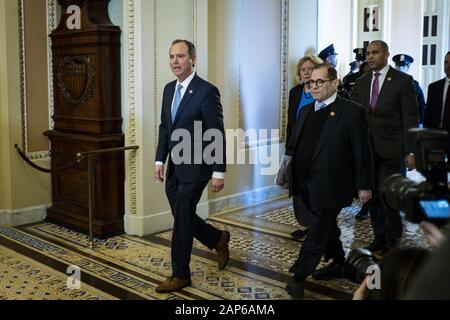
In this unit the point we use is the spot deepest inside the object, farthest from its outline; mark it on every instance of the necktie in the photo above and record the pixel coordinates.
(446, 118)
(375, 91)
(319, 105)
(176, 101)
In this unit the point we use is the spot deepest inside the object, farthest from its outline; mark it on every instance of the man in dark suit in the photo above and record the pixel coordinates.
(331, 163)
(189, 103)
(391, 106)
(437, 114)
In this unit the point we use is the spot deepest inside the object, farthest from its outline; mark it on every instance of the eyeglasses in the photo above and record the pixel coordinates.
(318, 82)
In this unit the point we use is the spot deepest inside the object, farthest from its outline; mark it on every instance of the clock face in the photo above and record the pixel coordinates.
(67, 3)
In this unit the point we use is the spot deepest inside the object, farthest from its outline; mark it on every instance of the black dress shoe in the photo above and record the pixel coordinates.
(376, 246)
(296, 288)
(332, 271)
(298, 234)
(363, 213)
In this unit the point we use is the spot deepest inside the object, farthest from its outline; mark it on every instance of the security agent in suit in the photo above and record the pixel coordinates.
(391, 107)
(437, 115)
(331, 163)
(329, 55)
(187, 100)
(403, 63)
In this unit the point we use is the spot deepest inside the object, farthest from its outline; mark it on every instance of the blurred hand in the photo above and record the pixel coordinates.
(364, 195)
(159, 173)
(361, 291)
(217, 184)
(434, 236)
(410, 162)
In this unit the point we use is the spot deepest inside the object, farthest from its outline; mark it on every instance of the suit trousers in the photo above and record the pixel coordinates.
(183, 199)
(323, 238)
(386, 223)
(300, 211)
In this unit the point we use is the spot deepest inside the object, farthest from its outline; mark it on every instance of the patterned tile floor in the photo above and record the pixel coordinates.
(23, 278)
(34, 259)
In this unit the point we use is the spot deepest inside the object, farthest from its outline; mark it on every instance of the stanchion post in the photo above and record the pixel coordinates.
(91, 181)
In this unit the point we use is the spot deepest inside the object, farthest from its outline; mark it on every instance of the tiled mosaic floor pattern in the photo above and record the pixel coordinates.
(261, 252)
(23, 278)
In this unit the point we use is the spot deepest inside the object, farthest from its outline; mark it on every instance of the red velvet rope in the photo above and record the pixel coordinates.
(45, 170)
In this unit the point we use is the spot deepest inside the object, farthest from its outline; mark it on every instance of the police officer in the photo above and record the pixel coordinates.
(350, 79)
(402, 63)
(329, 55)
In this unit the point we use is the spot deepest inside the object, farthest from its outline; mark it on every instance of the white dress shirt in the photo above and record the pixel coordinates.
(185, 84)
(327, 102)
(383, 72)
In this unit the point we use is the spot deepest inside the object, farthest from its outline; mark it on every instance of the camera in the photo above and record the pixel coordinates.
(428, 200)
(357, 263)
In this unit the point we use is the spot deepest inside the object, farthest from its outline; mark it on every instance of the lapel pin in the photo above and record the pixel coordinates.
(389, 79)
(191, 92)
(332, 114)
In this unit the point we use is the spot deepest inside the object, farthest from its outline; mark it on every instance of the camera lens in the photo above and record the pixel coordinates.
(396, 190)
(357, 263)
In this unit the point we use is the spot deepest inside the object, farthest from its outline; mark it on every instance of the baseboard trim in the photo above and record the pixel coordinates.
(19, 217)
(245, 199)
(163, 221)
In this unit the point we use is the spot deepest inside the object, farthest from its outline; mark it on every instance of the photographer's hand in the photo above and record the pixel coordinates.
(364, 196)
(410, 162)
(361, 291)
(434, 236)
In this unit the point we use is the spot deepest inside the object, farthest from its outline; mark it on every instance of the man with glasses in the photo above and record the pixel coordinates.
(331, 163)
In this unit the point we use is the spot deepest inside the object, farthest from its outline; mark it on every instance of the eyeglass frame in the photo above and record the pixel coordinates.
(322, 82)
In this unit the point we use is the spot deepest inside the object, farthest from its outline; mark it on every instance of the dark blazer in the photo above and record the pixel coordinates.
(342, 163)
(396, 112)
(433, 112)
(295, 95)
(201, 102)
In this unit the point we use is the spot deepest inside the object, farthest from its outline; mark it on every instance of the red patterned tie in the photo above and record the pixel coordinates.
(375, 91)
(446, 118)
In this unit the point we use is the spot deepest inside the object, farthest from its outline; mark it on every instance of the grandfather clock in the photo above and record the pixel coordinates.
(87, 117)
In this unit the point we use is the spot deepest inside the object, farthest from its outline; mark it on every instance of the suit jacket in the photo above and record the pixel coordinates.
(295, 95)
(342, 163)
(433, 112)
(396, 112)
(420, 101)
(201, 102)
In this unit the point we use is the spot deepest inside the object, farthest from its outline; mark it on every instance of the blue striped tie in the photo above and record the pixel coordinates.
(319, 105)
(176, 101)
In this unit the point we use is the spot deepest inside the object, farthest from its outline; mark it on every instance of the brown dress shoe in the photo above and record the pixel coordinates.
(173, 284)
(222, 250)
